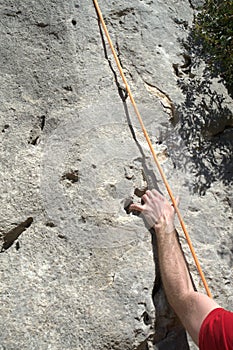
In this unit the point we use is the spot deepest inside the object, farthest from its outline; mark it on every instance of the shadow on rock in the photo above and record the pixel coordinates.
(205, 121)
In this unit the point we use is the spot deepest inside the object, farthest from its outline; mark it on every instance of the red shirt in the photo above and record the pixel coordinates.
(216, 331)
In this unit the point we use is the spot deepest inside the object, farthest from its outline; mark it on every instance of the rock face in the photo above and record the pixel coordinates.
(77, 271)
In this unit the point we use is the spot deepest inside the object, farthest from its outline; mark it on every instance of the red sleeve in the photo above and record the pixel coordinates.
(216, 331)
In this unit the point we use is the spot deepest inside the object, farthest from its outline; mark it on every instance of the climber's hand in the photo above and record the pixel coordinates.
(157, 211)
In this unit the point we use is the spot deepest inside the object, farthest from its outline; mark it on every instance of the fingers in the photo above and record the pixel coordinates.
(157, 194)
(140, 207)
(149, 197)
(149, 193)
(161, 197)
(145, 198)
(137, 207)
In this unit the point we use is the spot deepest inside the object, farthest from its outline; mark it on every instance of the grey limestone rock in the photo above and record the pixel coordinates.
(84, 273)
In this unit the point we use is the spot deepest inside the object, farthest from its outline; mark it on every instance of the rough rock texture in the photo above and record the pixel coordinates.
(77, 271)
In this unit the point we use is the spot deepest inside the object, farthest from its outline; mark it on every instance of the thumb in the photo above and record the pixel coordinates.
(177, 201)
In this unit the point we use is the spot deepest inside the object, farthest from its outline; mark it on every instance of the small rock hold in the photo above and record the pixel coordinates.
(72, 176)
(62, 237)
(6, 126)
(127, 204)
(42, 25)
(129, 174)
(139, 192)
(50, 224)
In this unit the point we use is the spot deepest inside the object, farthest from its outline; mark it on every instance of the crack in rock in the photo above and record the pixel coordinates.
(11, 236)
(164, 99)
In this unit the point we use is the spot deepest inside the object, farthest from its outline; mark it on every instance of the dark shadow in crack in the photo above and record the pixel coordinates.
(11, 236)
(150, 176)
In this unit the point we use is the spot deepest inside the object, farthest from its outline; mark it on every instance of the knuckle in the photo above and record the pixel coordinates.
(144, 197)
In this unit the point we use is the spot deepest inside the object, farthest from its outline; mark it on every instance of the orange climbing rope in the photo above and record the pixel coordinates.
(152, 149)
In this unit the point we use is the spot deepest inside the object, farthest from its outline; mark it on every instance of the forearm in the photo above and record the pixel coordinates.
(191, 307)
(159, 213)
(175, 276)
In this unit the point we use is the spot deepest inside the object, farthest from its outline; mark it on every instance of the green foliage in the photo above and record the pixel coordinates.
(214, 25)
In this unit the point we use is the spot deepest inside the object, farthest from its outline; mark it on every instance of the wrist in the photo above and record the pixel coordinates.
(164, 228)
(164, 225)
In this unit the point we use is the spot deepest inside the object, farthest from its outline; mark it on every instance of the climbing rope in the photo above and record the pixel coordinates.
(152, 149)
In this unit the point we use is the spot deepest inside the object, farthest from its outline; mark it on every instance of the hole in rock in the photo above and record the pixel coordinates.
(50, 224)
(42, 122)
(146, 318)
(62, 237)
(11, 236)
(127, 204)
(72, 176)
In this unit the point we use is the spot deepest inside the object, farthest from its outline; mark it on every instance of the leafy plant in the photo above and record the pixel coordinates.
(214, 26)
